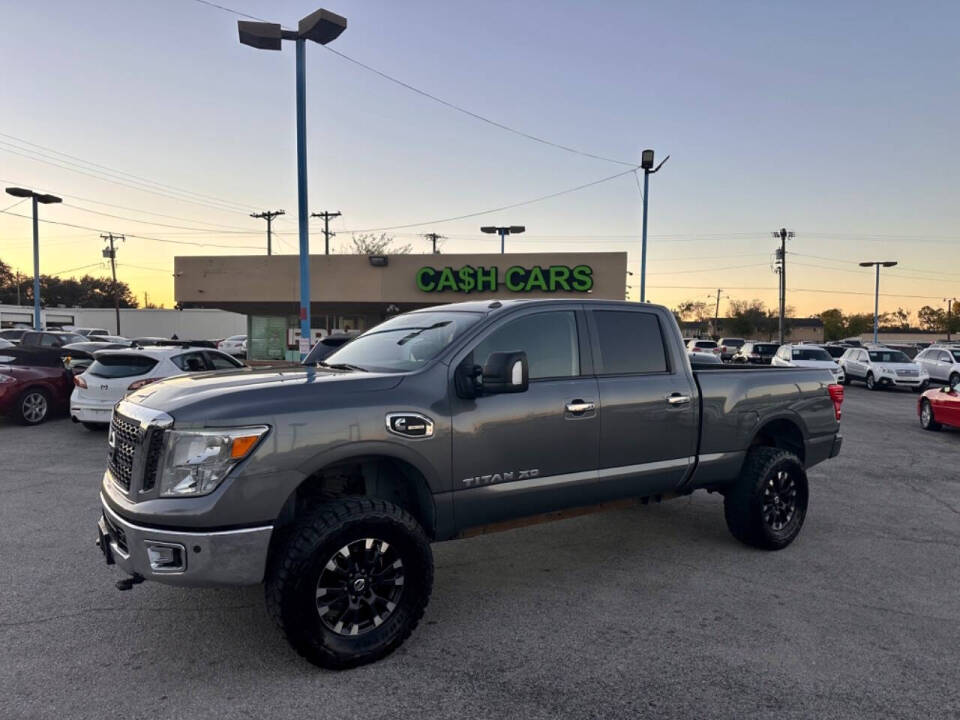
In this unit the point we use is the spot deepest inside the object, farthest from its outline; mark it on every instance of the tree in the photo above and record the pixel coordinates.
(690, 310)
(834, 325)
(88, 291)
(382, 244)
(858, 324)
(751, 318)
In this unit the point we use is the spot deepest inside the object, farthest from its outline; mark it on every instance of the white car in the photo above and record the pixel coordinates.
(807, 356)
(234, 345)
(882, 367)
(114, 373)
(703, 346)
(941, 363)
(87, 332)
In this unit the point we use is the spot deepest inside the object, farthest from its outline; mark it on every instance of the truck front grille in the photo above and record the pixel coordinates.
(154, 447)
(125, 438)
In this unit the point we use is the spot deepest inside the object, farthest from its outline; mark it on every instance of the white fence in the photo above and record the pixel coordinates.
(185, 324)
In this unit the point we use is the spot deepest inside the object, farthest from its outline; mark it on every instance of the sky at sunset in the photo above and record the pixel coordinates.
(836, 120)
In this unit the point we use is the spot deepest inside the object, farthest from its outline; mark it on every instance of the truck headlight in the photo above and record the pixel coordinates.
(195, 462)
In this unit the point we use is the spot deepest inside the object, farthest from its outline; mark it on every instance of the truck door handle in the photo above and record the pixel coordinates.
(579, 406)
(678, 399)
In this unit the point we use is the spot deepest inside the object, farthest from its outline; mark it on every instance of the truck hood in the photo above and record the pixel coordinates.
(226, 394)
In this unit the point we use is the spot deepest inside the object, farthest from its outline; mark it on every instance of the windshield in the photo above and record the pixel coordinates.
(732, 342)
(888, 356)
(765, 349)
(705, 344)
(403, 343)
(811, 354)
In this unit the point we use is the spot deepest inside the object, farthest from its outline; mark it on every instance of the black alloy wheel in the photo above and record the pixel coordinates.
(779, 500)
(360, 586)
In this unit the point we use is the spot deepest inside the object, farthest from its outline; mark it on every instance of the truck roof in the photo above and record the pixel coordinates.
(486, 306)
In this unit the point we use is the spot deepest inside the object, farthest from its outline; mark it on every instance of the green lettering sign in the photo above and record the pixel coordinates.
(516, 279)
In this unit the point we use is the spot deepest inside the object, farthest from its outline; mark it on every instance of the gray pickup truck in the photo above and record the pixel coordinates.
(329, 483)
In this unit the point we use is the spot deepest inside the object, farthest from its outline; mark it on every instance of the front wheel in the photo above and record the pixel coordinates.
(350, 581)
(767, 505)
(871, 382)
(954, 379)
(927, 421)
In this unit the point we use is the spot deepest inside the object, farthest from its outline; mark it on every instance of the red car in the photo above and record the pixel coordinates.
(939, 407)
(33, 386)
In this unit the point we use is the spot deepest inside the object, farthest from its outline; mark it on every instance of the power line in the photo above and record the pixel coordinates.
(498, 209)
(326, 227)
(81, 267)
(229, 10)
(157, 224)
(132, 235)
(476, 116)
(128, 184)
(114, 171)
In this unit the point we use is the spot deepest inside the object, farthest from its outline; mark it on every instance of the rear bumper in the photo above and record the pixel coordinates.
(88, 412)
(198, 559)
(823, 448)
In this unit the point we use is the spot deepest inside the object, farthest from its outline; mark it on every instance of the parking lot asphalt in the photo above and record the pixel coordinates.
(648, 612)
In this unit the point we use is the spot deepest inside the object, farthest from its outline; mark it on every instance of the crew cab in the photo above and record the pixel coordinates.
(328, 483)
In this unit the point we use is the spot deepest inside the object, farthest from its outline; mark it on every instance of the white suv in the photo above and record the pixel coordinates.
(114, 373)
(880, 366)
(808, 356)
(941, 363)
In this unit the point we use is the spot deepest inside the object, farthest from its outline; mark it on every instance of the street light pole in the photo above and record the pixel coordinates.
(46, 200)
(503, 231)
(949, 302)
(876, 295)
(321, 27)
(646, 162)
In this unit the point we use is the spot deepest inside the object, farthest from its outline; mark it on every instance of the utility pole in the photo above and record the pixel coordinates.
(433, 237)
(716, 314)
(268, 215)
(782, 234)
(111, 252)
(18, 287)
(326, 228)
(949, 302)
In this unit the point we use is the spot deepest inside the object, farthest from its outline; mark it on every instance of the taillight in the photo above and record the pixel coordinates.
(79, 381)
(836, 394)
(137, 384)
(717, 350)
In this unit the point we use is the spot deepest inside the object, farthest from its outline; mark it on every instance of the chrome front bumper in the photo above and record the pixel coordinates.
(177, 557)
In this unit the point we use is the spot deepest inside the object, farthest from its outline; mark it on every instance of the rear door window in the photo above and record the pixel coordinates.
(121, 366)
(190, 362)
(630, 342)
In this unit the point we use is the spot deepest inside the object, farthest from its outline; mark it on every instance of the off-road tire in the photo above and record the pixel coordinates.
(297, 563)
(928, 422)
(31, 402)
(743, 503)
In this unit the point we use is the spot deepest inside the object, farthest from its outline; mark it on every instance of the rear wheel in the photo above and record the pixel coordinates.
(927, 421)
(33, 407)
(350, 581)
(767, 505)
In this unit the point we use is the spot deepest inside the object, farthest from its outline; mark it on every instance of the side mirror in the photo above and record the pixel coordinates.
(505, 372)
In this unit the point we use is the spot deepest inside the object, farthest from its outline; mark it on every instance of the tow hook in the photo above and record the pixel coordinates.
(128, 583)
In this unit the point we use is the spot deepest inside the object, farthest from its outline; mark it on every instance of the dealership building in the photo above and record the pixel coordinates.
(355, 292)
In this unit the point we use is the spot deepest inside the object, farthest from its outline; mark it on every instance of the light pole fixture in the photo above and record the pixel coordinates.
(44, 199)
(876, 294)
(503, 232)
(646, 162)
(782, 235)
(320, 27)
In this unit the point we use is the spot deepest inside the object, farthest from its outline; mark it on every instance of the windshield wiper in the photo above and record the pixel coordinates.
(417, 331)
(342, 366)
